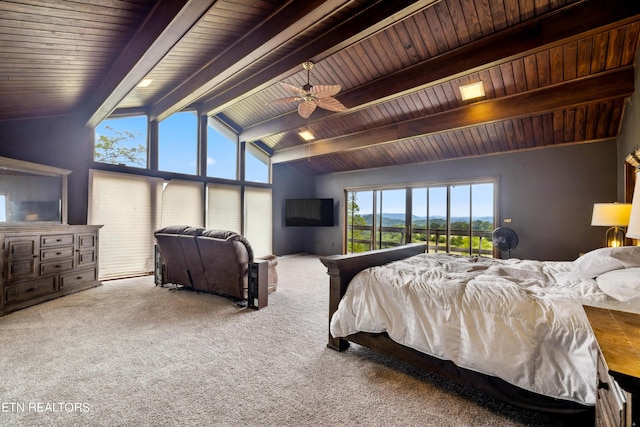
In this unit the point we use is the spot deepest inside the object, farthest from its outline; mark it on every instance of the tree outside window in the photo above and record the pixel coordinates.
(122, 141)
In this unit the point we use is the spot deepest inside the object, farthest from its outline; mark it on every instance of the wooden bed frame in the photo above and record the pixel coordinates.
(342, 268)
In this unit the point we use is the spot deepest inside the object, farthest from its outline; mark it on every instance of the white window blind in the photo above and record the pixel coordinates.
(258, 221)
(127, 206)
(223, 207)
(182, 203)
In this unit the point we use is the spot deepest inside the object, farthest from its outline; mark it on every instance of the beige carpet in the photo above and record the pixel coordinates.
(129, 353)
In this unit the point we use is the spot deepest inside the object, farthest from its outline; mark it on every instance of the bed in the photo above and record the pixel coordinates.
(515, 329)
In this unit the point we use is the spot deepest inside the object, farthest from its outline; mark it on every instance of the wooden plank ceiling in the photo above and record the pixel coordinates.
(554, 71)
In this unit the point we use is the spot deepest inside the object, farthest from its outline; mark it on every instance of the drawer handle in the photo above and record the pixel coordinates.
(32, 289)
(58, 240)
(79, 278)
(603, 385)
(58, 253)
(57, 266)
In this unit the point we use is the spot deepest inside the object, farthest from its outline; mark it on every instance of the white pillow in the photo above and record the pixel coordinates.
(622, 285)
(602, 260)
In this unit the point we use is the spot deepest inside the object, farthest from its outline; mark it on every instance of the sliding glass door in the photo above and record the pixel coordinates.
(391, 218)
(453, 218)
(359, 221)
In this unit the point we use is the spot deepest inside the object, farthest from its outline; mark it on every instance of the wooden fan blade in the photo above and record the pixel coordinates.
(324, 91)
(306, 108)
(331, 104)
(293, 88)
(283, 100)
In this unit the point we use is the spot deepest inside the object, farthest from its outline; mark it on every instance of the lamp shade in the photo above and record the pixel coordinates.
(611, 214)
(634, 220)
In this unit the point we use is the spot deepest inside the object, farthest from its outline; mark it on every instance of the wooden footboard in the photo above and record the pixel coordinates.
(342, 268)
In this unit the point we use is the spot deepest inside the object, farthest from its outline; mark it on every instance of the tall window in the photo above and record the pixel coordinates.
(222, 151)
(359, 220)
(258, 219)
(482, 217)
(223, 207)
(122, 140)
(178, 143)
(256, 165)
(390, 218)
(456, 218)
(127, 206)
(182, 203)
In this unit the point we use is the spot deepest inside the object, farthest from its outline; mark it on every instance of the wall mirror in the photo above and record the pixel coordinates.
(32, 193)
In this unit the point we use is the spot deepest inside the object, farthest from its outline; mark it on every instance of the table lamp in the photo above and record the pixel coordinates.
(615, 216)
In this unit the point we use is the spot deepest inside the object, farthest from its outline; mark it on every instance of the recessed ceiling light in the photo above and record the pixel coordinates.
(306, 135)
(145, 82)
(472, 91)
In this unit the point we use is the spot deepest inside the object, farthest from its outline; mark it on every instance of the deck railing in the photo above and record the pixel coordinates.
(433, 245)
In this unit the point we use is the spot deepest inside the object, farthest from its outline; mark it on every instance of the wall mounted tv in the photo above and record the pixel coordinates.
(309, 212)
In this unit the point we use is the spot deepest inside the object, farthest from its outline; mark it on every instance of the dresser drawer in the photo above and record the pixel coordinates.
(21, 268)
(86, 258)
(77, 279)
(611, 402)
(56, 253)
(56, 239)
(21, 246)
(56, 267)
(87, 241)
(29, 290)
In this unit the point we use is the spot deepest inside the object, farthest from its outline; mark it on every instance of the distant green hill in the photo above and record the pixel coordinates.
(391, 219)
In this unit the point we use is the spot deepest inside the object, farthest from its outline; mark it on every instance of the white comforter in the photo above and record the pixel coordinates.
(514, 319)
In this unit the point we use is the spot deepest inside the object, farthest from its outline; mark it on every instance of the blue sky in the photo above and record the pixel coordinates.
(178, 146)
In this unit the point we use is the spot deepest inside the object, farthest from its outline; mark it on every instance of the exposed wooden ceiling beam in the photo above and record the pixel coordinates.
(166, 24)
(373, 19)
(568, 23)
(604, 86)
(289, 21)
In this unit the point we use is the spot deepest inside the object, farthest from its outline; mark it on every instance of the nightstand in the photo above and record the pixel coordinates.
(618, 337)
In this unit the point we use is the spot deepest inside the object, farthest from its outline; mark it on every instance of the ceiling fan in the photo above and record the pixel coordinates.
(311, 96)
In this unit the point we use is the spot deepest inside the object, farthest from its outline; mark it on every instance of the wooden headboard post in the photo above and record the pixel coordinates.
(342, 268)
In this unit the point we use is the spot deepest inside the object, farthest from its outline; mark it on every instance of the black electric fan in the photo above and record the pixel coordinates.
(504, 239)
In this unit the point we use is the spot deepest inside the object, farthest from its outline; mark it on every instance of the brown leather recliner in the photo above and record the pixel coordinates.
(214, 261)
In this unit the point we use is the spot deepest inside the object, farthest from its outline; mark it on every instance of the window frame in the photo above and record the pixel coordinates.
(151, 170)
(226, 132)
(197, 148)
(409, 227)
(147, 139)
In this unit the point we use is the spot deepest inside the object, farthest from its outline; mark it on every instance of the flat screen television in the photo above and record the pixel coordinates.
(309, 212)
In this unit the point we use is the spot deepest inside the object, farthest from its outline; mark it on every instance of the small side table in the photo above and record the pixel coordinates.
(618, 337)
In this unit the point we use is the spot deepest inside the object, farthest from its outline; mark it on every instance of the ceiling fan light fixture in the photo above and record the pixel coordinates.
(310, 96)
(472, 91)
(307, 135)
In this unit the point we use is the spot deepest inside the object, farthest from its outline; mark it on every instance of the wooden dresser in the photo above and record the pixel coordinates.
(618, 337)
(42, 262)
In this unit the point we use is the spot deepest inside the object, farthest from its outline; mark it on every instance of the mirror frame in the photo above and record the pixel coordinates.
(40, 169)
